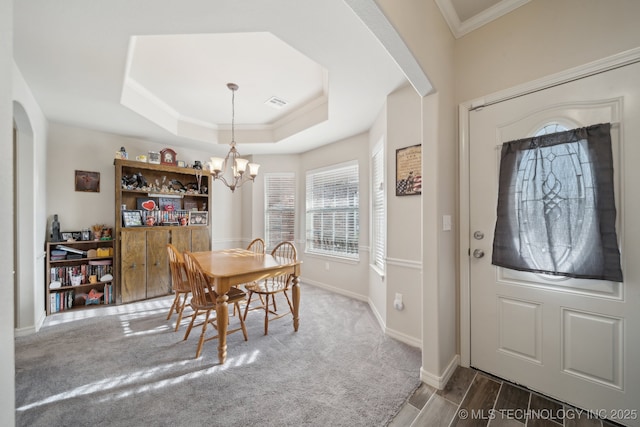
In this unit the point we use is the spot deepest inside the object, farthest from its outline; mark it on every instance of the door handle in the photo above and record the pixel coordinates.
(478, 253)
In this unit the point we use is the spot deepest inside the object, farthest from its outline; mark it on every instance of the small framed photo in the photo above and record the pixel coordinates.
(153, 157)
(181, 164)
(198, 218)
(132, 218)
(67, 235)
(88, 181)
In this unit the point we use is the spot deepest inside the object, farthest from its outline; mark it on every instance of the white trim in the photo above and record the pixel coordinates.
(602, 65)
(409, 340)
(406, 263)
(335, 290)
(439, 381)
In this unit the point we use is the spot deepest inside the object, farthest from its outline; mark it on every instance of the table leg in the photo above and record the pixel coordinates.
(295, 291)
(222, 320)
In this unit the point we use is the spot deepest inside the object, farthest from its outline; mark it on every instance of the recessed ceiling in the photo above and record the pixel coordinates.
(80, 59)
(464, 16)
(174, 81)
(83, 59)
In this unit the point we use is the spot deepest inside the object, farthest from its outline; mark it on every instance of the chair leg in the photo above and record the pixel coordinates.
(202, 334)
(174, 305)
(241, 318)
(246, 308)
(266, 314)
(181, 311)
(193, 319)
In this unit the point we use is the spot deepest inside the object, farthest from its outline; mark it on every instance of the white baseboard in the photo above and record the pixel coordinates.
(409, 340)
(439, 381)
(335, 290)
(30, 330)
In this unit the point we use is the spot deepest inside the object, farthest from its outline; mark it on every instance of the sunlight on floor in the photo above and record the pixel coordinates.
(143, 381)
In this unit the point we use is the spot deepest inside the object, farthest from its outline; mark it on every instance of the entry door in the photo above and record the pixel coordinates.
(575, 340)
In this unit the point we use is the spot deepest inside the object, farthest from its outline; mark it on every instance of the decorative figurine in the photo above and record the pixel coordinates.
(123, 153)
(56, 236)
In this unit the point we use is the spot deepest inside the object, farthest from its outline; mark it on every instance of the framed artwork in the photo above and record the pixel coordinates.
(198, 217)
(190, 205)
(88, 181)
(409, 170)
(132, 218)
(146, 203)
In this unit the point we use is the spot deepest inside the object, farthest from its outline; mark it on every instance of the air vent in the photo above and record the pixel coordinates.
(276, 102)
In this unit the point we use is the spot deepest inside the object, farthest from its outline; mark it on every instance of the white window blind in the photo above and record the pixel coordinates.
(280, 190)
(333, 211)
(378, 223)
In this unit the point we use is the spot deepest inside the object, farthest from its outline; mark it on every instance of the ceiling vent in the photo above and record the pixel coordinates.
(276, 102)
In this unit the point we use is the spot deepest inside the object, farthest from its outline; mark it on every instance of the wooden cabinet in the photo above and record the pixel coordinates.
(68, 276)
(141, 251)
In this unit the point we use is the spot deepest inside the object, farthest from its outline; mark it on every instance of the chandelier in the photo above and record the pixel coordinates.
(239, 165)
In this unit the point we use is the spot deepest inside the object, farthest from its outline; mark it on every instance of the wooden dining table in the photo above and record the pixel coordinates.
(230, 267)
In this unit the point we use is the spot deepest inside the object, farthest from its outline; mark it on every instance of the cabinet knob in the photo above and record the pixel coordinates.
(133, 265)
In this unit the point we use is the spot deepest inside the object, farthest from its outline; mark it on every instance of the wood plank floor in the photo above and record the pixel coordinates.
(475, 399)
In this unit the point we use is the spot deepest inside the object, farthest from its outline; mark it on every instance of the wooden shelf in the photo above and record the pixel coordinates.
(141, 266)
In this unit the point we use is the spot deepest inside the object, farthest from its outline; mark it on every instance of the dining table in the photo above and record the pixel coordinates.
(231, 267)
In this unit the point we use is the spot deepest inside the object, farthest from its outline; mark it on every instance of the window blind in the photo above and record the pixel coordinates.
(378, 229)
(332, 211)
(279, 208)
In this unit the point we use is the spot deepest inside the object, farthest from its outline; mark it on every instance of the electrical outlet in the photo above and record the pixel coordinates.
(326, 266)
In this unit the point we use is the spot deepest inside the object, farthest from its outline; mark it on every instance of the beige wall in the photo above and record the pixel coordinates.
(31, 154)
(425, 32)
(7, 372)
(541, 38)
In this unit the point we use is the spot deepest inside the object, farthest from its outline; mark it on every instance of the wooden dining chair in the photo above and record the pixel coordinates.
(284, 252)
(257, 246)
(179, 283)
(203, 302)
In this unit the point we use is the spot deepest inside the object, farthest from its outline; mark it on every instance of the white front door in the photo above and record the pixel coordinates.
(572, 339)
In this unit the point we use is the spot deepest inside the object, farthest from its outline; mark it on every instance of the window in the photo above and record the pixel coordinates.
(378, 211)
(332, 211)
(556, 208)
(279, 217)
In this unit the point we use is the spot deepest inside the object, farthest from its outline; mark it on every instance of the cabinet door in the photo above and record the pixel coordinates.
(200, 239)
(158, 277)
(181, 239)
(133, 249)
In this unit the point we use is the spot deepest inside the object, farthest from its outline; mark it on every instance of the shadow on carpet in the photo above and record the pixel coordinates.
(124, 366)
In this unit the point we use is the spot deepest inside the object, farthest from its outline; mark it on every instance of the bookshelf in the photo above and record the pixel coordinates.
(69, 270)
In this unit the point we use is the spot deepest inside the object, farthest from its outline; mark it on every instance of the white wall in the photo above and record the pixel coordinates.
(404, 222)
(7, 369)
(31, 154)
(341, 276)
(421, 26)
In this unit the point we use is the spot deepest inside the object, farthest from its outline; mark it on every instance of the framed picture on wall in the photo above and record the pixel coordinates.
(409, 170)
(88, 181)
